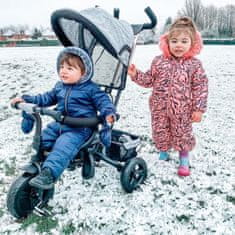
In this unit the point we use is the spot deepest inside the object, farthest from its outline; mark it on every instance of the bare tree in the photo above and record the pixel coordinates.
(212, 21)
(233, 20)
(222, 22)
(193, 9)
(22, 29)
(230, 20)
(36, 33)
(167, 24)
(209, 17)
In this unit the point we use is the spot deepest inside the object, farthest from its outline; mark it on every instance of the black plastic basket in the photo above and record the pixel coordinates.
(123, 146)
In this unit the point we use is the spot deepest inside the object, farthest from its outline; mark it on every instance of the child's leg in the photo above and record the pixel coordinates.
(184, 164)
(49, 136)
(65, 149)
(161, 133)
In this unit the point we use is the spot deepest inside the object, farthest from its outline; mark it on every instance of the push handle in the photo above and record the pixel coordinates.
(116, 12)
(152, 18)
(137, 28)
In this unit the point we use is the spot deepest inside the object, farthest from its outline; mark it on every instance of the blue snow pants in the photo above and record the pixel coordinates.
(65, 143)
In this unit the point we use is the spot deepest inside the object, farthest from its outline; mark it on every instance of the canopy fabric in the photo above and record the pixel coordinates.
(80, 28)
(118, 32)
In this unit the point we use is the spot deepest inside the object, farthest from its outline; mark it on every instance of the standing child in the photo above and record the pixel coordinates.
(75, 96)
(180, 89)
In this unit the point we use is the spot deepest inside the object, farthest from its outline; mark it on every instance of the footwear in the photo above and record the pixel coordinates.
(164, 156)
(183, 169)
(35, 158)
(44, 180)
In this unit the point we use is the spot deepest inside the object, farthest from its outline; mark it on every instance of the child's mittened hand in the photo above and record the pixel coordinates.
(110, 119)
(197, 116)
(132, 70)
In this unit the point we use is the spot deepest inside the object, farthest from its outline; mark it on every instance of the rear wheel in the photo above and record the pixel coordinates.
(22, 198)
(133, 174)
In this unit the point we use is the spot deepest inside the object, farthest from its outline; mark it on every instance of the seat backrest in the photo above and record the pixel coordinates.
(108, 71)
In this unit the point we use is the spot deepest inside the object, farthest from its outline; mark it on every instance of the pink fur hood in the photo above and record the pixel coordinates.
(195, 49)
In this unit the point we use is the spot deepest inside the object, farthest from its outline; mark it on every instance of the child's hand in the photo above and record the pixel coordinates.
(132, 70)
(16, 100)
(110, 119)
(197, 116)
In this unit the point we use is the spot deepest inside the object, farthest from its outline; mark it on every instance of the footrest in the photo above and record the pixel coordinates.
(40, 210)
(31, 168)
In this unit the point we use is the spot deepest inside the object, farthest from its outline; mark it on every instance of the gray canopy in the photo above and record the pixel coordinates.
(93, 25)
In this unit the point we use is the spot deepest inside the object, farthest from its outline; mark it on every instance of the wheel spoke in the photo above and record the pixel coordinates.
(132, 181)
(139, 172)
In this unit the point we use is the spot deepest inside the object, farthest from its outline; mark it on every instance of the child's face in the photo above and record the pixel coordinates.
(70, 74)
(179, 44)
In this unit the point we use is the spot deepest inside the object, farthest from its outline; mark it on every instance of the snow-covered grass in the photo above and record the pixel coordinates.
(203, 203)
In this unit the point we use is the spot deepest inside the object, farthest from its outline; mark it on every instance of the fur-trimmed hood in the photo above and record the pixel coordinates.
(195, 49)
(84, 57)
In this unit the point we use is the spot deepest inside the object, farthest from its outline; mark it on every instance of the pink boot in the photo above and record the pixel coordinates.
(183, 171)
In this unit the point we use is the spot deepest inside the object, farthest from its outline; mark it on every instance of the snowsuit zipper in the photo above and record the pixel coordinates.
(68, 91)
(169, 95)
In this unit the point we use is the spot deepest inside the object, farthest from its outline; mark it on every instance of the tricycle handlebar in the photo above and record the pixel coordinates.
(27, 107)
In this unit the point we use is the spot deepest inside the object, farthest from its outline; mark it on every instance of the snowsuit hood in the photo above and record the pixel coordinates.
(86, 59)
(195, 49)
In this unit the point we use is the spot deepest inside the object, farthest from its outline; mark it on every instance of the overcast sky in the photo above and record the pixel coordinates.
(37, 12)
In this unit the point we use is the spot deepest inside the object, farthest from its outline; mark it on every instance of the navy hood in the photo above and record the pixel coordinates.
(84, 57)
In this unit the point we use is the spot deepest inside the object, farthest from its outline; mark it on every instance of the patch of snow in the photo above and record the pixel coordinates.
(165, 204)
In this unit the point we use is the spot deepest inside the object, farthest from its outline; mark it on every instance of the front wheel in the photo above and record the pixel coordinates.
(22, 198)
(133, 174)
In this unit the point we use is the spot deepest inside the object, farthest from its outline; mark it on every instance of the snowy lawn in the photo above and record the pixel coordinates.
(203, 203)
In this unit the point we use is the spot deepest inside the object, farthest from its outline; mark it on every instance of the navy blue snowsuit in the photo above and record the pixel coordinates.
(82, 99)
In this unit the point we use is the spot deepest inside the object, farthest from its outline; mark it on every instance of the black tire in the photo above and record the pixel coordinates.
(88, 168)
(133, 174)
(22, 199)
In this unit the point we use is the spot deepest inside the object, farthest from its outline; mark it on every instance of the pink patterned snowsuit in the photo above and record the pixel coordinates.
(180, 87)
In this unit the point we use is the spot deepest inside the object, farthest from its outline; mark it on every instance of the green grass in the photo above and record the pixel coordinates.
(183, 218)
(1, 212)
(9, 170)
(43, 224)
(68, 229)
(231, 199)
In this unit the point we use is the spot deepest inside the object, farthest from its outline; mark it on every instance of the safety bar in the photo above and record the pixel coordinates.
(58, 116)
